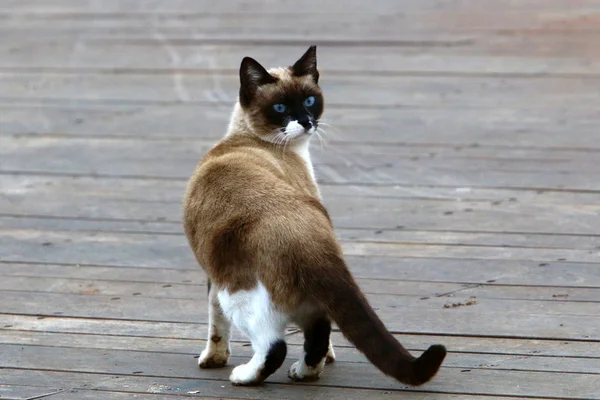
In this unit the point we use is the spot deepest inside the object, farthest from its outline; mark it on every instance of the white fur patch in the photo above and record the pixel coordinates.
(299, 371)
(301, 147)
(330, 357)
(253, 312)
(214, 356)
(293, 129)
(247, 374)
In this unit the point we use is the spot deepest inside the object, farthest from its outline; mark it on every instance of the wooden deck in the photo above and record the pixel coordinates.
(462, 173)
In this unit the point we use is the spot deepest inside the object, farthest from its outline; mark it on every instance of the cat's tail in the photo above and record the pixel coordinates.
(337, 293)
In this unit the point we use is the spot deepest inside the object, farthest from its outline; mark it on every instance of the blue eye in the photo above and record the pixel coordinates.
(310, 100)
(280, 108)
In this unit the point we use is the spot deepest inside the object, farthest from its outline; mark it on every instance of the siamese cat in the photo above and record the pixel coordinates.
(254, 219)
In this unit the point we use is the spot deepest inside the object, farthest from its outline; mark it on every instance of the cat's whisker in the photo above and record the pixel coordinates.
(278, 138)
(328, 142)
(321, 131)
(281, 137)
(320, 122)
(333, 130)
(322, 135)
(321, 140)
(324, 123)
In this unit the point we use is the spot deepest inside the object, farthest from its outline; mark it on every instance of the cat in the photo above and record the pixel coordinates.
(255, 221)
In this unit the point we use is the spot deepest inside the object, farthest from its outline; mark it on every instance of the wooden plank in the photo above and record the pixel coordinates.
(511, 158)
(441, 24)
(412, 216)
(190, 336)
(361, 176)
(51, 246)
(172, 276)
(451, 126)
(561, 275)
(376, 91)
(469, 238)
(131, 250)
(524, 273)
(116, 394)
(536, 55)
(184, 6)
(23, 392)
(359, 234)
(502, 271)
(511, 383)
(241, 352)
(170, 386)
(409, 18)
(126, 307)
(115, 159)
(183, 291)
(130, 158)
(290, 393)
(362, 249)
(399, 288)
(103, 249)
(19, 188)
(488, 317)
(181, 155)
(183, 366)
(429, 214)
(82, 394)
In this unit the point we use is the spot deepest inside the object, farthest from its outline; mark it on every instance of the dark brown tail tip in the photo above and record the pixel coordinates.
(426, 366)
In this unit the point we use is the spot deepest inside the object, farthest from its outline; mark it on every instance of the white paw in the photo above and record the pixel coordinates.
(330, 357)
(245, 375)
(299, 371)
(213, 357)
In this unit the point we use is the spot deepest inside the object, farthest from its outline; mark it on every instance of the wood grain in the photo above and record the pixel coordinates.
(535, 55)
(461, 166)
(480, 93)
(125, 363)
(509, 126)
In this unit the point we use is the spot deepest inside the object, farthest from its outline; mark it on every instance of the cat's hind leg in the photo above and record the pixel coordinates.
(217, 350)
(330, 358)
(254, 314)
(317, 349)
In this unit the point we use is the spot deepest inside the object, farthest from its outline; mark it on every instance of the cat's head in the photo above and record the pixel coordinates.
(281, 104)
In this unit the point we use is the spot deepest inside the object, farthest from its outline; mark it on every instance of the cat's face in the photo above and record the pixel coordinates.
(282, 104)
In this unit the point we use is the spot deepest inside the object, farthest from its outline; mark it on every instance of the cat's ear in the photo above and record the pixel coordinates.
(252, 75)
(307, 64)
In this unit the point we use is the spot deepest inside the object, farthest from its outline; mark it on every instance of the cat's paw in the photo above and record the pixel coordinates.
(301, 372)
(245, 375)
(213, 358)
(330, 357)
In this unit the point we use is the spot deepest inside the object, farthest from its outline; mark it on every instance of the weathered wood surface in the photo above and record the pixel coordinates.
(43, 330)
(461, 164)
(503, 128)
(378, 91)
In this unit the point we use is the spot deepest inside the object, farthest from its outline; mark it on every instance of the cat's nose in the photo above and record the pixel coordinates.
(305, 122)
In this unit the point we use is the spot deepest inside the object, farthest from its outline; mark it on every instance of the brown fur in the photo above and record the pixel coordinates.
(253, 213)
(245, 190)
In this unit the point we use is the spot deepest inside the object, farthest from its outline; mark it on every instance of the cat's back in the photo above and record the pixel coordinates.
(241, 179)
(243, 170)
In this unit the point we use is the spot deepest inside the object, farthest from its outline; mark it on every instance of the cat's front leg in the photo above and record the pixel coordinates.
(217, 350)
